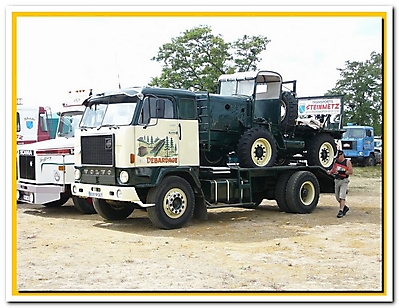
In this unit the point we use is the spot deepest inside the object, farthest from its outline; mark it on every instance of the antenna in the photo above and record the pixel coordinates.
(119, 81)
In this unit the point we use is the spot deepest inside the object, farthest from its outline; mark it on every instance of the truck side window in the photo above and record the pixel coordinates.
(149, 109)
(187, 109)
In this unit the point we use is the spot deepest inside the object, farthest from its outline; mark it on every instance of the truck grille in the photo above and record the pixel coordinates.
(98, 150)
(27, 167)
(348, 145)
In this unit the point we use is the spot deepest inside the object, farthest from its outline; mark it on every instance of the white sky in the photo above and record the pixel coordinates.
(58, 54)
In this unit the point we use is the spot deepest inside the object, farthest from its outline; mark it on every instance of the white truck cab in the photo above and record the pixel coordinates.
(46, 168)
(31, 124)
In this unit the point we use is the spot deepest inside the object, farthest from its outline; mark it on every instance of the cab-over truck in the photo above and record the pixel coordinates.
(150, 148)
(45, 168)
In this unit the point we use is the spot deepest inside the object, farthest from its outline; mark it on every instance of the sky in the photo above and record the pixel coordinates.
(59, 54)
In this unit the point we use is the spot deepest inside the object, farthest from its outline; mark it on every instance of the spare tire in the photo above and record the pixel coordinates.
(289, 110)
(257, 148)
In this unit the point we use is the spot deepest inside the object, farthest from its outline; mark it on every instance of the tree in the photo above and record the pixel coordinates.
(361, 84)
(197, 58)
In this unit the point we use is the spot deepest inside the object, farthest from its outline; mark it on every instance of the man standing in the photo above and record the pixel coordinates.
(341, 169)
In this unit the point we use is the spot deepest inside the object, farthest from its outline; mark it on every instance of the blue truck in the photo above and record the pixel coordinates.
(358, 145)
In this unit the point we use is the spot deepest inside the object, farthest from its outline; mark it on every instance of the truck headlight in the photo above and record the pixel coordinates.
(78, 174)
(124, 176)
(361, 153)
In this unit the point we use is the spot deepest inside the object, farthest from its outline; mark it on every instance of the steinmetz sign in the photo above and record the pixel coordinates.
(319, 106)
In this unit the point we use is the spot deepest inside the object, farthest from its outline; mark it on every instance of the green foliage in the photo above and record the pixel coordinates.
(361, 83)
(197, 58)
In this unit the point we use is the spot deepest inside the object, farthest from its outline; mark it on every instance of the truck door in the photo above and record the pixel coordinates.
(368, 145)
(157, 135)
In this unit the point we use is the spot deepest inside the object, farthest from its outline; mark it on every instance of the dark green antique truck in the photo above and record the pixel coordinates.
(177, 153)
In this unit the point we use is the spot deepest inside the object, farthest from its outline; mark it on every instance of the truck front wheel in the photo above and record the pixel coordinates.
(321, 151)
(83, 205)
(111, 210)
(174, 203)
(257, 148)
(369, 161)
(303, 192)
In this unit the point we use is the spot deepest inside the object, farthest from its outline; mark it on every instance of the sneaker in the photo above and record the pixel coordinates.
(340, 214)
(346, 209)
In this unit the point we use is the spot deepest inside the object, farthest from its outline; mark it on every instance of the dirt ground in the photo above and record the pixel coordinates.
(239, 250)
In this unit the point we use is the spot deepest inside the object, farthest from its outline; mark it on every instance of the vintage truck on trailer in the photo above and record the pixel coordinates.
(168, 151)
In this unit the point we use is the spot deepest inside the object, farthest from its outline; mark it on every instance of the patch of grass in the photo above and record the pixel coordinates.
(369, 172)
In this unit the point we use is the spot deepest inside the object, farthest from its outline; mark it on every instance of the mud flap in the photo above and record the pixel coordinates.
(200, 210)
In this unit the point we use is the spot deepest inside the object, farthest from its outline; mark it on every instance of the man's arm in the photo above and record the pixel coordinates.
(350, 169)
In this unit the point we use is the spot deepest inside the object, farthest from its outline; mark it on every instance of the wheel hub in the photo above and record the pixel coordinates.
(259, 152)
(175, 203)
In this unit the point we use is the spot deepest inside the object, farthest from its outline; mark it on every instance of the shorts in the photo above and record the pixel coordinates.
(341, 187)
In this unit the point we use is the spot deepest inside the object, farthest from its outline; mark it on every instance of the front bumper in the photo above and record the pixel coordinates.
(114, 193)
(38, 194)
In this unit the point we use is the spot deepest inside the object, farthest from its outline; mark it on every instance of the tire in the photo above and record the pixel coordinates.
(303, 192)
(281, 192)
(289, 110)
(61, 201)
(174, 203)
(369, 161)
(256, 148)
(111, 210)
(321, 151)
(83, 205)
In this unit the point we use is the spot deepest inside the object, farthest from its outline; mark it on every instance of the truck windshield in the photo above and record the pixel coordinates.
(68, 123)
(354, 133)
(109, 111)
(243, 87)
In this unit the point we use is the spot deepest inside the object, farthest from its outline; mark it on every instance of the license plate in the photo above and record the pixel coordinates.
(95, 194)
(25, 197)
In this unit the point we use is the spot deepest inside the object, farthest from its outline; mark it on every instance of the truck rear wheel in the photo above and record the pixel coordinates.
(84, 205)
(257, 148)
(174, 203)
(321, 151)
(303, 192)
(64, 197)
(281, 192)
(111, 210)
